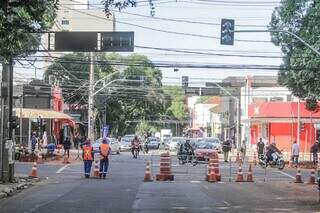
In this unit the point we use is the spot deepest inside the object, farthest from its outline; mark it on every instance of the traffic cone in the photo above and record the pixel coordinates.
(147, 174)
(212, 176)
(66, 159)
(240, 175)
(254, 158)
(249, 175)
(34, 172)
(238, 158)
(96, 170)
(39, 159)
(312, 179)
(298, 177)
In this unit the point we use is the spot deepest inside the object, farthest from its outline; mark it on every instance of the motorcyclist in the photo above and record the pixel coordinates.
(135, 145)
(186, 149)
(146, 142)
(271, 149)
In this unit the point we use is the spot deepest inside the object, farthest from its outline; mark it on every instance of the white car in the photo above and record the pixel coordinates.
(114, 145)
(175, 143)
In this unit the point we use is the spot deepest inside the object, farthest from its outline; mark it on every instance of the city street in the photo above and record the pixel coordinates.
(64, 189)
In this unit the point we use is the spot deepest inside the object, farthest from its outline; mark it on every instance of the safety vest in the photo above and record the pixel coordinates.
(104, 149)
(87, 153)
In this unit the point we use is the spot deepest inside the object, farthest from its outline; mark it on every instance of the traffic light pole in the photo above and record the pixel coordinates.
(281, 31)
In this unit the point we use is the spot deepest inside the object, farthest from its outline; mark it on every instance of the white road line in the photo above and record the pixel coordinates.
(61, 169)
(286, 174)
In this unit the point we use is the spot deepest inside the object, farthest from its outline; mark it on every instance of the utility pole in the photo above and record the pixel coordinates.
(6, 146)
(90, 100)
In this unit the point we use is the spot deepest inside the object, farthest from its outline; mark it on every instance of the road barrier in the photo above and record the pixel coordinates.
(298, 177)
(34, 171)
(211, 174)
(240, 175)
(165, 168)
(148, 175)
(312, 179)
(96, 170)
(250, 175)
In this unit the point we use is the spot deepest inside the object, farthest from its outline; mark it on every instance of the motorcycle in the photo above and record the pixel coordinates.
(277, 162)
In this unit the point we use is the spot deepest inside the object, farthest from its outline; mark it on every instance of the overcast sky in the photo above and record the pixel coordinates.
(209, 11)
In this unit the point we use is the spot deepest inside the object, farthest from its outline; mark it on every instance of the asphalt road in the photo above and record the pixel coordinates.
(64, 189)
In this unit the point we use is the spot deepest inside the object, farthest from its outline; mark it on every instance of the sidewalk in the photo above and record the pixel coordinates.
(19, 184)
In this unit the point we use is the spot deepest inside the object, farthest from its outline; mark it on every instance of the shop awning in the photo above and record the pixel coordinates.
(43, 113)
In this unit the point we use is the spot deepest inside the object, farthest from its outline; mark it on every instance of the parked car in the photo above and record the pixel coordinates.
(204, 151)
(175, 143)
(217, 145)
(114, 145)
(154, 143)
(126, 143)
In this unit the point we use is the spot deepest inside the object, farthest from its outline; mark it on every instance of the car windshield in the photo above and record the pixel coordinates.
(205, 145)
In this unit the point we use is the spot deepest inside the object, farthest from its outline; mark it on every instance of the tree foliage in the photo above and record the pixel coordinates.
(123, 104)
(177, 108)
(19, 22)
(300, 73)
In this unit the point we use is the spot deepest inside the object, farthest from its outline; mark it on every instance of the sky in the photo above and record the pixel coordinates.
(244, 12)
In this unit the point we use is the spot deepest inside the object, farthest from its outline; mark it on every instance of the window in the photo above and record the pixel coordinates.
(65, 22)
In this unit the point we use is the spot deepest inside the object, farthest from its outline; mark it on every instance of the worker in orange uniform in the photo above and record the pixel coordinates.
(104, 157)
(88, 157)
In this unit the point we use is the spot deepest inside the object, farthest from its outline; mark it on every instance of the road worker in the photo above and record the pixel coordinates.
(104, 149)
(88, 157)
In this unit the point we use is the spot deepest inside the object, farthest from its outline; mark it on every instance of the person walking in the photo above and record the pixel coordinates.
(226, 148)
(104, 157)
(34, 141)
(67, 146)
(295, 153)
(88, 157)
(314, 151)
(76, 141)
(260, 148)
(243, 150)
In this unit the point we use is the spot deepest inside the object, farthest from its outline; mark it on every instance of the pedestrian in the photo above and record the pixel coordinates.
(260, 148)
(67, 146)
(314, 151)
(226, 148)
(34, 141)
(88, 157)
(76, 141)
(295, 153)
(243, 149)
(104, 157)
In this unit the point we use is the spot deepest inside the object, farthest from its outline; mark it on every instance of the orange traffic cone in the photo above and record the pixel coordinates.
(39, 159)
(249, 175)
(240, 175)
(66, 159)
(34, 172)
(312, 179)
(298, 177)
(147, 174)
(254, 158)
(96, 170)
(212, 176)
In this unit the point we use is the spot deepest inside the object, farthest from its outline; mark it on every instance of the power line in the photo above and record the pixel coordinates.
(165, 31)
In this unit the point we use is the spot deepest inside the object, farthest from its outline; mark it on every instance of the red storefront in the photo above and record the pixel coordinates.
(278, 121)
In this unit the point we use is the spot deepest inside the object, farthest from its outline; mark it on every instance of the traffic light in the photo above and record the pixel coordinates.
(227, 32)
(301, 127)
(185, 81)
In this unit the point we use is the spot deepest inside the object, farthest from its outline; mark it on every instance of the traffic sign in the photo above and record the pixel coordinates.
(76, 41)
(117, 41)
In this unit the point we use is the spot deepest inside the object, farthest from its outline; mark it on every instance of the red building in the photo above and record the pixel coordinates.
(278, 121)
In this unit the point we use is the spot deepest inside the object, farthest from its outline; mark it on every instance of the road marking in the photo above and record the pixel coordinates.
(195, 181)
(61, 169)
(286, 174)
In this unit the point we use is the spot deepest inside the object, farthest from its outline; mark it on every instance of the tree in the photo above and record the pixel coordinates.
(300, 66)
(19, 22)
(177, 108)
(123, 104)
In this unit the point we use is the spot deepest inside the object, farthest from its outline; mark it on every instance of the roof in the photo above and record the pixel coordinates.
(43, 113)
